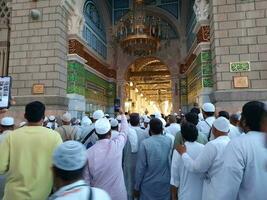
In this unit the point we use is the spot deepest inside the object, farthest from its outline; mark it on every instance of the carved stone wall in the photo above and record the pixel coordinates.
(238, 33)
(5, 14)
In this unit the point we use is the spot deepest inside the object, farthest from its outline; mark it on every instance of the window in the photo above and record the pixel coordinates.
(94, 31)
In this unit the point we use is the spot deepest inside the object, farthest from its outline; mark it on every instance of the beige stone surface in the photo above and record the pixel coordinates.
(242, 37)
(38, 52)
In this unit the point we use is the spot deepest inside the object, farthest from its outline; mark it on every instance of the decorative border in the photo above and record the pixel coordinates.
(75, 47)
(241, 82)
(243, 66)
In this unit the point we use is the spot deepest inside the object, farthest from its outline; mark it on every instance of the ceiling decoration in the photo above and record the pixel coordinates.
(138, 33)
(152, 79)
(118, 8)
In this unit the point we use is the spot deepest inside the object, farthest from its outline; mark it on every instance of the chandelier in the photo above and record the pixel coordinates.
(139, 34)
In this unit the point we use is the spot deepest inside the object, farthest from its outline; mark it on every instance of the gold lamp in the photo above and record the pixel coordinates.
(138, 33)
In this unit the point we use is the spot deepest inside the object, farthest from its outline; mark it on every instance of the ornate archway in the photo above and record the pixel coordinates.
(148, 86)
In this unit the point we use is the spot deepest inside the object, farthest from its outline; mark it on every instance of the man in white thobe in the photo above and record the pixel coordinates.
(244, 172)
(205, 126)
(210, 159)
(234, 130)
(174, 128)
(190, 184)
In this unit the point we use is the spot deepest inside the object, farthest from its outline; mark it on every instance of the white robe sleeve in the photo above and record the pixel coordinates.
(203, 162)
(231, 174)
(175, 172)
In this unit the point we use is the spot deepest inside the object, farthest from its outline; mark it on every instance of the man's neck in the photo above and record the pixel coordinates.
(220, 135)
(34, 124)
(65, 183)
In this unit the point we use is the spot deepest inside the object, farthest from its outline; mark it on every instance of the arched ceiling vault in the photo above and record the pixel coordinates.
(151, 77)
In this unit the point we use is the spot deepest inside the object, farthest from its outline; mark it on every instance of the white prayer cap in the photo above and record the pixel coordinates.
(102, 126)
(119, 117)
(208, 107)
(146, 120)
(21, 124)
(86, 121)
(7, 121)
(175, 114)
(51, 118)
(157, 114)
(107, 115)
(98, 114)
(70, 156)
(114, 122)
(66, 117)
(222, 124)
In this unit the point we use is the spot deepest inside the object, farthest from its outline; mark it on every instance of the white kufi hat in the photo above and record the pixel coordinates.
(114, 122)
(222, 124)
(86, 121)
(98, 114)
(66, 117)
(52, 118)
(208, 107)
(102, 126)
(70, 156)
(7, 121)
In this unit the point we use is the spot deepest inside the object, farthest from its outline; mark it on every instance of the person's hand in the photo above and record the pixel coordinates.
(12, 101)
(181, 149)
(136, 194)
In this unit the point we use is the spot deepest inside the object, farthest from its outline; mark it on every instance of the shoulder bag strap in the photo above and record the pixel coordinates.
(209, 131)
(87, 136)
(65, 132)
(91, 195)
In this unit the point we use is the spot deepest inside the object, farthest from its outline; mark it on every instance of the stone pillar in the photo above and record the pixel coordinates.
(38, 52)
(121, 91)
(175, 93)
(238, 33)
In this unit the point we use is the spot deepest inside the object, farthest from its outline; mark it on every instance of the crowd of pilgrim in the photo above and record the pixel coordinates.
(205, 154)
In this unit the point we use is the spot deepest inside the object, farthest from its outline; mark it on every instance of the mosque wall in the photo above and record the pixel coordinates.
(239, 36)
(97, 92)
(38, 54)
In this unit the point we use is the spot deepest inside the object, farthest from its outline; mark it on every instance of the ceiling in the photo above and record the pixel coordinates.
(151, 77)
(119, 8)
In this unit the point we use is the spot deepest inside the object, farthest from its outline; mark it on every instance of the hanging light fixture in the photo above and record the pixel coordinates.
(138, 33)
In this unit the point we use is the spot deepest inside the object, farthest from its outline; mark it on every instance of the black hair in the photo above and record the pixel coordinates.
(156, 126)
(195, 110)
(104, 136)
(192, 117)
(114, 128)
(134, 119)
(234, 118)
(189, 132)
(209, 114)
(224, 114)
(178, 120)
(68, 175)
(252, 115)
(35, 111)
